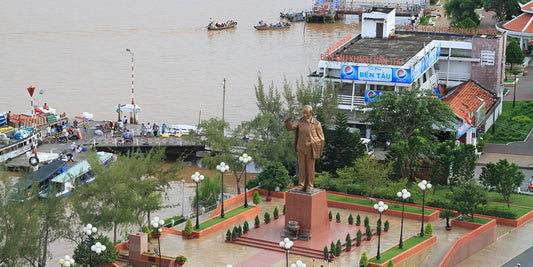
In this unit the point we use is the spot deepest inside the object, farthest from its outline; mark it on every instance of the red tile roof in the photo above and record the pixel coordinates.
(528, 7)
(519, 23)
(466, 99)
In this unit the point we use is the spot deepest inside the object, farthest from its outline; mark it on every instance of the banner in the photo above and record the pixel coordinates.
(371, 95)
(375, 74)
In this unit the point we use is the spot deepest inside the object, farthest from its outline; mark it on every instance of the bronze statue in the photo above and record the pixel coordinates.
(308, 142)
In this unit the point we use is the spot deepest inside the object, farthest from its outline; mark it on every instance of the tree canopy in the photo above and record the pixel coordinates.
(503, 9)
(503, 176)
(513, 53)
(459, 10)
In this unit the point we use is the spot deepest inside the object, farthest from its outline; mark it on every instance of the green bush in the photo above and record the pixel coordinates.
(390, 264)
(239, 230)
(521, 119)
(147, 230)
(245, 227)
(350, 219)
(256, 199)
(330, 216)
(429, 229)
(368, 232)
(228, 234)
(348, 241)
(333, 248)
(257, 221)
(188, 227)
(358, 219)
(252, 183)
(386, 225)
(338, 248)
(359, 236)
(338, 217)
(267, 217)
(501, 212)
(326, 251)
(234, 233)
(364, 260)
(276, 212)
(283, 208)
(366, 221)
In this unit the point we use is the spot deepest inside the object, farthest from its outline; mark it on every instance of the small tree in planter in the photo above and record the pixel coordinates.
(181, 259)
(348, 242)
(333, 249)
(245, 227)
(267, 217)
(358, 238)
(366, 221)
(446, 214)
(390, 264)
(283, 209)
(276, 213)
(358, 220)
(429, 229)
(256, 199)
(257, 222)
(234, 234)
(188, 229)
(236, 229)
(338, 217)
(228, 236)
(364, 260)
(386, 226)
(350, 219)
(239, 230)
(326, 252)
(330, 216)
(368, 233)
(338, 248)
(274, 175)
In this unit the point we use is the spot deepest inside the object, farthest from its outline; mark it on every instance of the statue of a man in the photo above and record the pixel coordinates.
(308, 142)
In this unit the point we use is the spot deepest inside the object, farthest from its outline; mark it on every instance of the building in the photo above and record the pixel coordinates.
(382, 59)
(521, 26)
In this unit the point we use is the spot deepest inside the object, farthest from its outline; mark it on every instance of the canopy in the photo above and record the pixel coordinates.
(129, 108)
(41, 175)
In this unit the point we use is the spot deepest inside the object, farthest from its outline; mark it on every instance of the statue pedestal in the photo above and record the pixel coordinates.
(310, 210)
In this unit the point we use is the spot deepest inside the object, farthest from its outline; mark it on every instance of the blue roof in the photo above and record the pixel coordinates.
(80, 168)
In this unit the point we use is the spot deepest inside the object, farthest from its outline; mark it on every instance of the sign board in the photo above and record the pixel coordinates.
(375, 74)
(427, 61)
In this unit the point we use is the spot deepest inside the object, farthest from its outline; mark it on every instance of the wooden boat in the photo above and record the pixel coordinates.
(41, 178)
(216, 26)
(293, 17)
(277, 26)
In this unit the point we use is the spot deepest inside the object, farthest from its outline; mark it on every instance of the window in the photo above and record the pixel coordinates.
(487, 57)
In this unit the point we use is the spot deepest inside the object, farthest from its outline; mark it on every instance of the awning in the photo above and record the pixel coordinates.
(129, 108)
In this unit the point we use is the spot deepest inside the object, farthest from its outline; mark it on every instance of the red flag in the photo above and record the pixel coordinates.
(31, 89)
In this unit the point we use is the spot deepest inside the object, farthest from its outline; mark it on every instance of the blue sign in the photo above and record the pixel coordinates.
(371, 95)
(428, 60)
(375, 74)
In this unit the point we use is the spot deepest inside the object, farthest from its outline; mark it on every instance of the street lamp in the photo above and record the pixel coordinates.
(157, 223)
(223, 98)
(380, 207)
(98, 248)
(197, 178)
(245, 159)
(423, 186)
(286, 244)
(298, 263)
(514, 90)
(404, 194)
(182, 195)
(222, 168)
(132, 87)
(66, 261)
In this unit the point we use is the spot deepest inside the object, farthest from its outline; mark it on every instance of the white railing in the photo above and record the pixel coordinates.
(350, 102)
(453, 76)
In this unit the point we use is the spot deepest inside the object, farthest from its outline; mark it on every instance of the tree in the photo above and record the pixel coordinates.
(274, 175)
(468, 198)
(341, 147)
(459, 10)
(209, 191)
(407, 110)
(503, 9)
(503, 177)
(406, 155)
(256, 199)
(513, 53)
(371, 173)
(463, 165)
(84, 256)
(443, 158)
(364, 260)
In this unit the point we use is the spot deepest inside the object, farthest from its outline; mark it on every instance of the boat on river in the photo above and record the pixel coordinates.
(217, 26)
(272, 26)
(293, 17)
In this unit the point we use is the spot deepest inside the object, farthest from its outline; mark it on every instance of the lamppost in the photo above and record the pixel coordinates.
(404, 194)
(423, 186)
(245, 159)
(182, 195)
(132, 87)
(66, 261)
(222, 168)
(380, 207)
(89, 230)
(98, 248)
(223, 98)
(286, 244)
(197, 178)
(514, 90)
(157, 223)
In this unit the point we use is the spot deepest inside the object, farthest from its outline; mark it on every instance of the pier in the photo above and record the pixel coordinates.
(329, 11)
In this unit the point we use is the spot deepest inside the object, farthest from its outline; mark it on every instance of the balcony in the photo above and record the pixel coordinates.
(348, 102)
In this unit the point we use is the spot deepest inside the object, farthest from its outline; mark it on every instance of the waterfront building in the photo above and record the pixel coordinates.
(521, 26)
(382, 59)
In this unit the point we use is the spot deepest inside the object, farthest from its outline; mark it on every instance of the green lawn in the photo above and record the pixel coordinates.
(516, 199)
(476, 219)
(395, 251)
(513, 124)
(227, 215)
(368, 203)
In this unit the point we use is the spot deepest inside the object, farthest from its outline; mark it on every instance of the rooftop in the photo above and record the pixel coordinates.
(466, 98)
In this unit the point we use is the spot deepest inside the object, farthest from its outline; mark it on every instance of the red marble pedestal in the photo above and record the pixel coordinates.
(310, 210)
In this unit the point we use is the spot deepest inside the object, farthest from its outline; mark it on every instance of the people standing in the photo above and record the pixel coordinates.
(143, 129)
(155, 129)
(163, 128)
(8, 118)
(124, 120)
(148, 129)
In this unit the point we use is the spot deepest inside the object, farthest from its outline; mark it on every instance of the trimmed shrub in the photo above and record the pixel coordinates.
(330, 216)
(234, 233)
(390, 264)
(350, 219)
(228, 234)
(338, 217)
(276, 213)
(358, 220)
(364, 260)
(283, 208)
(368, 232)
(386, 225)
(326, 252)
(239, 230)
(366, 221)
(333, 248)
(245, 227)
(257, 221)
(358, 237)
(256, 199)
(338, 248)
(348, 241)
(188, 227)
(267, 217)
(429, 229)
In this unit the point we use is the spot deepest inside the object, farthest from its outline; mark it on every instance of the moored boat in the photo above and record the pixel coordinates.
(272, 26)
(293, 17)
(216, 26)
